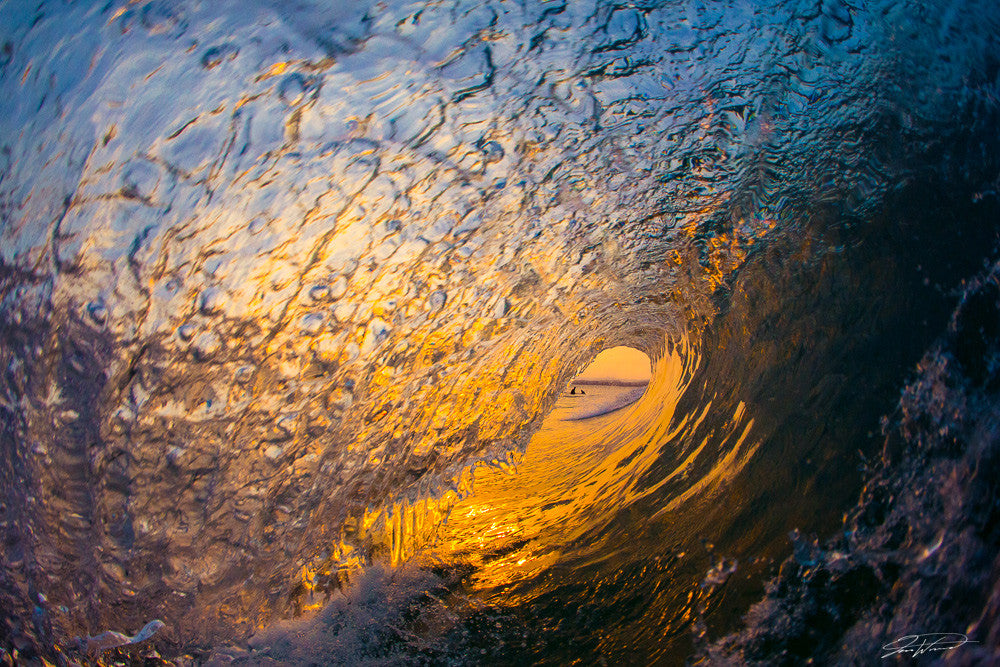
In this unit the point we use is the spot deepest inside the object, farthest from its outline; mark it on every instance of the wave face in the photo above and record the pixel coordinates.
(275, 279)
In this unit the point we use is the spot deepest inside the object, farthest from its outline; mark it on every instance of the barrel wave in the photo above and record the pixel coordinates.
(289, 294)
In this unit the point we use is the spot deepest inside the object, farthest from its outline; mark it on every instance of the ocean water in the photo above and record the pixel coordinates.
(290, 294)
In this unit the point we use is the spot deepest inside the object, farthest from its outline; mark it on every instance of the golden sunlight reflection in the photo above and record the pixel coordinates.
(573, 473)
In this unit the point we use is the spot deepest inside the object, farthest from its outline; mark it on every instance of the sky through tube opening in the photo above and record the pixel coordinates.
(617, 365)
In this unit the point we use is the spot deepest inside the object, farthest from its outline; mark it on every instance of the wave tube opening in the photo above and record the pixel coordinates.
(617, 377)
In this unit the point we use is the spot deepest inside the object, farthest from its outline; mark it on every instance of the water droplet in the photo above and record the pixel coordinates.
(140, 179)
(187, 332)
(393, 226)
(292, 89)
(338, 288)
(159, 19)
(243, 374)
(98, 312)
(385, 250)
(215, 55)
(379, 329)
(437, 299)
(319, 292)
(492, 151)
(469, 223)
(210, 301)
(206, 344)
(312, 323)
(341, 312)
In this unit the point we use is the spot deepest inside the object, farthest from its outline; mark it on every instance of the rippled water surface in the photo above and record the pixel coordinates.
(289, 294)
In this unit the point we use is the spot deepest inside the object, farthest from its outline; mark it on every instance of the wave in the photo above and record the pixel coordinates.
(617, 402)
(279, 290)
(917, 549)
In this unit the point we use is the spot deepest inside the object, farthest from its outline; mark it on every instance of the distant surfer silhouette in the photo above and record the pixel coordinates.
(572, 393)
